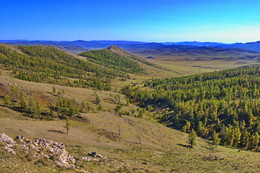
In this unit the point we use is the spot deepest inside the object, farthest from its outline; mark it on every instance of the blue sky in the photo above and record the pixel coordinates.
(140, 20)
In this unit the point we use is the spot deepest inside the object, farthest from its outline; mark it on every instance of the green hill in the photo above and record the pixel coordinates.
(113, 59)
(51, 65)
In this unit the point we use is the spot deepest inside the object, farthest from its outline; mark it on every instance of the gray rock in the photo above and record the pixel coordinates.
(6, 139)
(10, 150)
(40, 148)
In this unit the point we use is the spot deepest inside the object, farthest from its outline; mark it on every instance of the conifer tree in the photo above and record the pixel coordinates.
(216, 139)
(192, 138)
(23, 104)
(67, 124)
(245, 139)
(7, 101)
(254, 140)
(186, 127)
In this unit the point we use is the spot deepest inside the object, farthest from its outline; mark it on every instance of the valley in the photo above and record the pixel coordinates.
(42, 86)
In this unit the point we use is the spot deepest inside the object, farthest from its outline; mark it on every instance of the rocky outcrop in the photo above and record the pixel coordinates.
(44, 148)
(8, 143)
(6, 139)
(39, 148)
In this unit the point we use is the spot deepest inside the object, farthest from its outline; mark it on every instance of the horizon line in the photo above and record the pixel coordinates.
(16, 40)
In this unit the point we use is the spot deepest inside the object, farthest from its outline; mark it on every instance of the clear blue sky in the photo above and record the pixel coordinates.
(140, 20)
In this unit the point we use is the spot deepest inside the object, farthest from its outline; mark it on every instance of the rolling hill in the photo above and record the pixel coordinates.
(164, 53)
(51, 65)
(114, 58)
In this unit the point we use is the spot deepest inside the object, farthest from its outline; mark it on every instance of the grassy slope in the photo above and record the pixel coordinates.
(162, 149)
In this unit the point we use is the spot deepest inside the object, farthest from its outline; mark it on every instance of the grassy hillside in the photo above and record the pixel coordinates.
(225, 102)
(51, 65)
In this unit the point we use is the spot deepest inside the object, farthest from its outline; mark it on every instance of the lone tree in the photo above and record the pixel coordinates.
(98, 100)
(192, 138)
(67, 125)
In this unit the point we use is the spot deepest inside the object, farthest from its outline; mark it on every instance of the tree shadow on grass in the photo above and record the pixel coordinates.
(56, 131)
(186, 146)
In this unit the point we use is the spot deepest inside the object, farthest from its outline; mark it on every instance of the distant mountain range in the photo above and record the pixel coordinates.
(195, 43)
(249, 46)
(81, 45)
(255, 46)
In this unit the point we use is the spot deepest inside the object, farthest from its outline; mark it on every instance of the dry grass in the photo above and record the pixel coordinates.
(183, 66)
(161, 150)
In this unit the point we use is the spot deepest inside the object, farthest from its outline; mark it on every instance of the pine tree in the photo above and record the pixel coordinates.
(186, 127)
(98, 101)
(31, 106)
(192, 138)
(237, 137)
(72, 110)
(7, 101)
(23, 104)
(216, 139)
(67, 125)
(254, 140)
(201, 129)
(245, 139)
